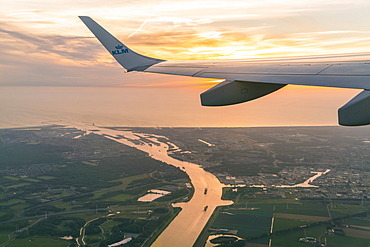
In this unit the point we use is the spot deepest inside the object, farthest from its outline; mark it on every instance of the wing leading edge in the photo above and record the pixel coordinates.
(248, 80)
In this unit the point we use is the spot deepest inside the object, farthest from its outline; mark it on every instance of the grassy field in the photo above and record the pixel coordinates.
(292, 214)
(61, 204)
(357, 233)
(303, 208)
(108, 225)
(46, 177)
(281, 224)
(12, 178)
(87, 216)
(359, 222)
(301, 217)
(345, 241)
(32, 180)
(12, 202)
(247, 225)
(92, 239)
(39, 242)
(20, 206)
(122, 197)
(340, 209)
(58, 195)
(127, 180)
(290, 239)
(254, 212)
(89, 163)
(3, 237)
(14, 186)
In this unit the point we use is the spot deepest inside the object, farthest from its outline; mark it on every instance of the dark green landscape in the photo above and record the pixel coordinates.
(60, 187)
(53, 185)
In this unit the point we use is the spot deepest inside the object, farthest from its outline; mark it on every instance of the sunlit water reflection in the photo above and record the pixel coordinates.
(186, 227)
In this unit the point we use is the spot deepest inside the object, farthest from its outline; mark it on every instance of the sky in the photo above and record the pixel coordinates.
(43, 43)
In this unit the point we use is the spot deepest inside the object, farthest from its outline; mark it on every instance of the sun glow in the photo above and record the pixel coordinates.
(36, 34)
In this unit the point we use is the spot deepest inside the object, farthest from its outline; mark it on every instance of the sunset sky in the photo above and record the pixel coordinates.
(43, 43)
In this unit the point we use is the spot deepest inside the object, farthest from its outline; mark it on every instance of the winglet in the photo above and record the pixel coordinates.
(129, 59)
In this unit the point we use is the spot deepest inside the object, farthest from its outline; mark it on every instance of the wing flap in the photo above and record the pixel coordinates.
(235, 92)
(356, 111)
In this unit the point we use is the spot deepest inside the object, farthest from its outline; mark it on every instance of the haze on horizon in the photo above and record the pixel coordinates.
(45, 44)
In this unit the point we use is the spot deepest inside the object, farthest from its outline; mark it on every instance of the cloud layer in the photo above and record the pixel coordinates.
(44, 43)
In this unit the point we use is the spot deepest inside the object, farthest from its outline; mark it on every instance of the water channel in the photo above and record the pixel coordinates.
(306, 184)
(188, 224)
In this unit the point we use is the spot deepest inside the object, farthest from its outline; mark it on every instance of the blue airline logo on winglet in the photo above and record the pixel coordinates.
(119, 50)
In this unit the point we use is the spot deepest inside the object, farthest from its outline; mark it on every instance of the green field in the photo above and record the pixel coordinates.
(20, 206)
(108, 225)
(11, 178)
(3, 238)
(61, 204)
(259, 212)
(94, 239)
(89, 163)
(15, 186)
(32, 180)
(39, 242)
(290, 238)
(282, 224)
(71, 183)
(359, 222)
(344, 241)
(247, 225)
(255, 222)
(127, 180)
(12, 202)
(59, 195)
(304, 208)
(122, 197)
(46, 177)
(340, 209)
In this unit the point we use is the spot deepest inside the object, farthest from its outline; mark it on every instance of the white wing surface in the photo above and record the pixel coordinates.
(248, 80)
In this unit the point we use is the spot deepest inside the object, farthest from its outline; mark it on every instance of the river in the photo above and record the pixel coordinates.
(188, 224)
(306, 184)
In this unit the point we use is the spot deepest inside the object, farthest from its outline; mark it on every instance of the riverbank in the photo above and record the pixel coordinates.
(186, 227)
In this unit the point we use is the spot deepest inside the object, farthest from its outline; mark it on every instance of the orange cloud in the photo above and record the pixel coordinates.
(175, 82)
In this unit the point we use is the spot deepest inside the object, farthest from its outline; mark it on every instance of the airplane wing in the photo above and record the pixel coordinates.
(248, 80)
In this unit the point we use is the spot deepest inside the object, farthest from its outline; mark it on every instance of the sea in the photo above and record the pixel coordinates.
(22, 106)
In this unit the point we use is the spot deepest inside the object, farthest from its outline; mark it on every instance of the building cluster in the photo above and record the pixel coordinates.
(338, 183)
